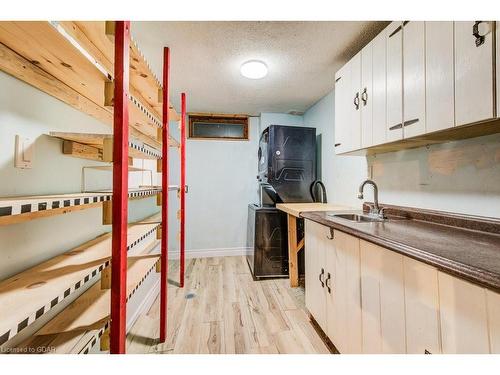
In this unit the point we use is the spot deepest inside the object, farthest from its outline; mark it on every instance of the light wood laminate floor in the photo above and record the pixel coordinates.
(221, 310)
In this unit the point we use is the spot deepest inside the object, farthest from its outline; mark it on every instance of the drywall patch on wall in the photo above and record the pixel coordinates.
(461, 176)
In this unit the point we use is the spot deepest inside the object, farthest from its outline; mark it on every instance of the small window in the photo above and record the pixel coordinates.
(220, 127)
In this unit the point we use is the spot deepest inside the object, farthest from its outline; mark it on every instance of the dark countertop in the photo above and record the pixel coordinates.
(469, 254)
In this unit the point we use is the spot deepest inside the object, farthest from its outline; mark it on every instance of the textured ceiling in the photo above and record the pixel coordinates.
(302, 58)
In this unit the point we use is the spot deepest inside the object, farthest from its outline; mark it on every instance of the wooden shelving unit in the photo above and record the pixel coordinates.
(15, 210)
(99, 147)
(87, 318)
(74, 62)
(29, 295)
(85, 64)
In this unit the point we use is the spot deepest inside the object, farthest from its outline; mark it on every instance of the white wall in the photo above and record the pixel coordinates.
(27, 111)
(462, 176)
(271, 118)
(222, 182)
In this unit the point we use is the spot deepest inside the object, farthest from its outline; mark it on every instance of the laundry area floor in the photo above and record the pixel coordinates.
(222, 310)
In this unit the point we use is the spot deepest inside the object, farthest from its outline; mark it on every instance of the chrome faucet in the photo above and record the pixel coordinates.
(375, 210)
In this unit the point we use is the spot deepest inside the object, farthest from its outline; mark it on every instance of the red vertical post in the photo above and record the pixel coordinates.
(183, 187)
(164, 206)
(120, 190)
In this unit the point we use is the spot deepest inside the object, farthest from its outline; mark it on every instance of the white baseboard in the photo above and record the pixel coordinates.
(146, 303)
(205, 253)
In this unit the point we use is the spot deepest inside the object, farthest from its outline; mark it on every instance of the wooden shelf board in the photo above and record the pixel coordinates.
(47, 60)
(137, 149)
(73, 342)
(144, 84)
(28, 295)
(15, 210)
(91, 310)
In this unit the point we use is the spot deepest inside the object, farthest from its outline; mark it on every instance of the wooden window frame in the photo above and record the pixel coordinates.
(219, 119)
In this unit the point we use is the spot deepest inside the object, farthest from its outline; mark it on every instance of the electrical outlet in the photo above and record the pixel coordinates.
(24, 152)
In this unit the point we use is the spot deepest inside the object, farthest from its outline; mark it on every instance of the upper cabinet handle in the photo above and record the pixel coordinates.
(397, 126)
(356, 100)
(398, 29)
(364, 96)
(475, 33)
(338, 79)
(410, 122)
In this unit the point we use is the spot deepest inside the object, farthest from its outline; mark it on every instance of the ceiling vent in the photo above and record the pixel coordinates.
(295, 113)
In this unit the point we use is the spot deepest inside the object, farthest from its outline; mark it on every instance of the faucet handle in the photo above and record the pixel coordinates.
(360, 195)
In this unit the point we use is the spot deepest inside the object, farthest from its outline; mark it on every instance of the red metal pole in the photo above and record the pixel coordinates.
(120, 190)
(183, 187)
(164, 206)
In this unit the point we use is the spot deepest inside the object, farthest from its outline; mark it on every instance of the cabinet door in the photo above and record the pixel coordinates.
(382, 300)
(354, 129)
(439, 77)
(344, 299)
(464, 323)
(394, 38)
(497, 30)
(474, 75)
(493, 302)
(413, 78)
(421, 307)
(378, 102)
(342, 107)
(314, 269)
(366, 96)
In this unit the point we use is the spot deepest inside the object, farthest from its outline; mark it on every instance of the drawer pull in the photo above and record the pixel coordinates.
(337, 144)
(410, 122)
(398, 29)
(328, 278)
(321, 277)
(397, 126)
(356, 101)
(331, 236)
(475, 33)
(364, 96)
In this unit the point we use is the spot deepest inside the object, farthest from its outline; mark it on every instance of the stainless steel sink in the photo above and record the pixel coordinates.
(358, 218)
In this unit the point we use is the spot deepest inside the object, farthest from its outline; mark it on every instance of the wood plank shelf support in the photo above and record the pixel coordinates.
(120, 189)
(164, 202)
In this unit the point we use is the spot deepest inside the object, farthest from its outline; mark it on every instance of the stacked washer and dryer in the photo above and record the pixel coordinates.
(287, 172)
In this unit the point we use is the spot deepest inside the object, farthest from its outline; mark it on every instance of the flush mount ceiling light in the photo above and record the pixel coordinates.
(254, 69)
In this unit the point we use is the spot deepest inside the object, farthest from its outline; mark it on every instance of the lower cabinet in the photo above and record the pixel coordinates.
(464, 316)
(315, 264)
(369, 299)
(382, 300)
(421, 308)
(333, 285)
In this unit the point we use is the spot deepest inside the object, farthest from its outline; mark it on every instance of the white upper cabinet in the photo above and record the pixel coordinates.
(474, 72)
(342, 107)
(366, 96)
(439, 77)
(377, 100)
(394, 45)
(413, 78)
(354, 131)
